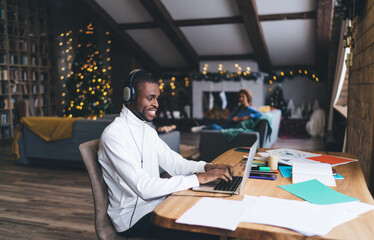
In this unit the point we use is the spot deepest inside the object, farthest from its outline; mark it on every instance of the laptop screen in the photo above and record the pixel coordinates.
(248, 166)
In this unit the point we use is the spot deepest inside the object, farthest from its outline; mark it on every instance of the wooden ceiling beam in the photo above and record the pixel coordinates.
(141, 25)
(163, 18)
(220, 21)
(287, 16)
(227, 57)
(253, 28)
(142, 55)
(208, 21)
(325, 14)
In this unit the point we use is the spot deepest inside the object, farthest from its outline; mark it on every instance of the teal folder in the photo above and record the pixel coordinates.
(316, 192)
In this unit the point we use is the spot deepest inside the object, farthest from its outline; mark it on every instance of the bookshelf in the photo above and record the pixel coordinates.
(26, 60)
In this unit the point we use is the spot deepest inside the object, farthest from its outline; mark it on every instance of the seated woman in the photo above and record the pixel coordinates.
(242, 112)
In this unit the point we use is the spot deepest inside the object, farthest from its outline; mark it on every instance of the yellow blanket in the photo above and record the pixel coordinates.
(48, 128)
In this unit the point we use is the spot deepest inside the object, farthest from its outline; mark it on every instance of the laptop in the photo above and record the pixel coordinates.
(237, 183)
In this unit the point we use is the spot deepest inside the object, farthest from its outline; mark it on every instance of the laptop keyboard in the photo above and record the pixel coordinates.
(229, 186)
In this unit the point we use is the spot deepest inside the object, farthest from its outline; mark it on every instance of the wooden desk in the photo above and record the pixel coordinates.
(353, 185)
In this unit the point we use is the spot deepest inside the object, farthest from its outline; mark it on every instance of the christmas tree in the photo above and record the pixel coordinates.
(88, 88)
(276, 100)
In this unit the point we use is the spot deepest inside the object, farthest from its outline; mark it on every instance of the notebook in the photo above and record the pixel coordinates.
(237, 183)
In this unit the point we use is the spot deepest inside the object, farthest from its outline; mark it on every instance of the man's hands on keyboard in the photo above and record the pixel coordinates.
(214, 172)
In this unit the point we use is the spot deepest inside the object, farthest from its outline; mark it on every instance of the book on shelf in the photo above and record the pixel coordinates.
(14, 100)
(24, 60)
(15, 88)
(5, 131)
(13, 73)
(6, 103)
(13, 59)
(39, 102)
(2, 58)
(35, 88)
(34, 61)
(25, 89)
(3, 74)
(4, 117)
(43, 76)
(4, 88)
(2, 44)
(23, 75)
(33, 47)
(34, 75)
(12, 44)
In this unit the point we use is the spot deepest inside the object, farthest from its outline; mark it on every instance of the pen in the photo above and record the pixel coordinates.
(261, 168)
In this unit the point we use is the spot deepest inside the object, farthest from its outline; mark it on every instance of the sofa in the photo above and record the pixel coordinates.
(212, 142)
(34, 149)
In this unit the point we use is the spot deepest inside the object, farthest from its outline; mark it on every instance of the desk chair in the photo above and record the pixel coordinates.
(103, 225)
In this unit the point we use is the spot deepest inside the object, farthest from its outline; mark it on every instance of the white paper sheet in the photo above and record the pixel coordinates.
(290, 214)
(212, 212)
(307, 171)
(301, 216)
(292, 153)
(286, 159)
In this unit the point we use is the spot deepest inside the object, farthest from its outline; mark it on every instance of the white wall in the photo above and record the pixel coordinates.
(302, 91)
(198, 87)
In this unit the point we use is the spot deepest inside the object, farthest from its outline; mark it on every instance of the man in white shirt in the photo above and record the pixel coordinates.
(131, 153)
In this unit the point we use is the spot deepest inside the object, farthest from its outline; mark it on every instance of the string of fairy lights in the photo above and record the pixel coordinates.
(170, 83)
(91, 79)
(66, 46)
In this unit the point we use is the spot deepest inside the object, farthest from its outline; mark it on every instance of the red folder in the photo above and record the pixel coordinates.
(332, 159)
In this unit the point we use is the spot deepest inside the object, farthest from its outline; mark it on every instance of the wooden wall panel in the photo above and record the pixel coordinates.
(362, 75)
(365, 92)
(360, 143)
(360, 122)
(361, 109)
(368, 15)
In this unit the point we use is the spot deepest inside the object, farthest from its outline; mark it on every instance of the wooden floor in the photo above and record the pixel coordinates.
(56, 203)
(43, 202)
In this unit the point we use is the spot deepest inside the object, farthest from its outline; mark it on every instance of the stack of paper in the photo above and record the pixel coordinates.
(307, 171)
(289, 156)
(306, 218)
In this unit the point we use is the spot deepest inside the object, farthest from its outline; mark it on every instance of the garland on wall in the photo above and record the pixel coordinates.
(291, 74)
(171, 84)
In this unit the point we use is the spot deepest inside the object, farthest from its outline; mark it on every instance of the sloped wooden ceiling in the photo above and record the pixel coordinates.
(175, 35)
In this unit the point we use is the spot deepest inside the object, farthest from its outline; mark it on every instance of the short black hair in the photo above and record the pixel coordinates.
(140, 78)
